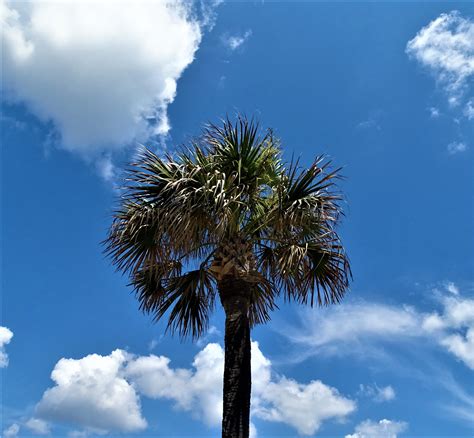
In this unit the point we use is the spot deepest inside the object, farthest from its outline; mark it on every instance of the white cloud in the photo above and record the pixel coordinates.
(12, 431)
(369, 124)
(252, 431)
(222, 81)
(5, 337)
(462, 403)
(373, 121)
(383, 394)
(383, 429)
(462, 346)
(302, 406)
(208, 12)
(103, 73)
(469, 109)
(434, 112)
(456, 147)
(454, 327)
(233, 42)
(197, 390)
(92, 393)
(350, 328)
(452, 288)
(152, 344)
(360, 328)
(106, 168)
(100, 393)
(446, 47)
(37, 426)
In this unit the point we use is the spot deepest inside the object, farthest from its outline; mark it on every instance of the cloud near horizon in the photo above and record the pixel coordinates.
(104, 76)
(102, 393)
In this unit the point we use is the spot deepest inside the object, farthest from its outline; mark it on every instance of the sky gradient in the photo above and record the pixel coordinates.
(384, 89)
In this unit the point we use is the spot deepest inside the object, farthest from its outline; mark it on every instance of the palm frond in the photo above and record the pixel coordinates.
(188, 299)
(229, 185)
(315, 270)
(263, 295)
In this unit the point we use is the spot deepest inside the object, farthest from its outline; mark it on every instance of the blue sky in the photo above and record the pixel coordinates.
(385, 89)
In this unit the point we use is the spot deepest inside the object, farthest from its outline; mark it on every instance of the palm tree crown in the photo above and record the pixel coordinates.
(226, 206)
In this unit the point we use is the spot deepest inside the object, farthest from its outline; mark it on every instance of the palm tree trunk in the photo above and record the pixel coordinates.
(234, 294)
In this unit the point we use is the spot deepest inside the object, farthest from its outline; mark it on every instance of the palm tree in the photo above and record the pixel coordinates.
(226, 217)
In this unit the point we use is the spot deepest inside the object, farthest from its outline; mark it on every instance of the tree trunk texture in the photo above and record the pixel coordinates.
(235, 296)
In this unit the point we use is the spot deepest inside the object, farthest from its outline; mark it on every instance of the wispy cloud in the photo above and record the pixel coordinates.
(456, 147)
(352, 329)
(376, 393)
(446, 48)
(11, 431)
(381, 429)
(37, 426)
(233, 42)
(461, 404)
(469, 109)
(12, 122)
(373, 121)
(434, 112)
(452, 288)
(361, 328)
(153, 344)
(106, 168)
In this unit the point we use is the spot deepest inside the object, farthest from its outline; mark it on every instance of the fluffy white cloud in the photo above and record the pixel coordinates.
(359, 328)
(197, 390)
(100, 393)
(92, 393)
(302, 406)
(454, 327)
(37, 426)
(5, 337)
(233, 42)
(382, 429)
(456, 147)
(103, 72)
(446, 47)
(383, 394)
(12, 431)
